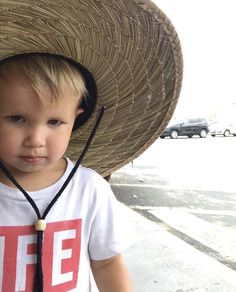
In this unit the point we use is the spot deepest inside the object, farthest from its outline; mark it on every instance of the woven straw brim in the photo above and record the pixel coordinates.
(133, 52)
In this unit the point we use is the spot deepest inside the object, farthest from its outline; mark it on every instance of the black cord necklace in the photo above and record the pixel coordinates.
(40, 224)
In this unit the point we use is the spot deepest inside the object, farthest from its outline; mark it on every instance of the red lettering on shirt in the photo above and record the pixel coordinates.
(61, 256)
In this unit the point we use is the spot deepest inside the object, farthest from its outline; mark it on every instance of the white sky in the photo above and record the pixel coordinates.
(207, 32)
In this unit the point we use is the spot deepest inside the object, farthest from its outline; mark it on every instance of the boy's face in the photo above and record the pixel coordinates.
(33, 136)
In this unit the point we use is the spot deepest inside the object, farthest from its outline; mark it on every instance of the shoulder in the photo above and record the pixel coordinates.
(92, 189)
(88, 177)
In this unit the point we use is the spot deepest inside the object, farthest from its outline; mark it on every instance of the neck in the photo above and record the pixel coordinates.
(33, 181)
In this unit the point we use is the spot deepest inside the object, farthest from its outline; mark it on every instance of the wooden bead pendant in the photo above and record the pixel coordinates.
(40, 225)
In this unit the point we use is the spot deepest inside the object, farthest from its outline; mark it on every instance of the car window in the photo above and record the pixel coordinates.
(192, 121)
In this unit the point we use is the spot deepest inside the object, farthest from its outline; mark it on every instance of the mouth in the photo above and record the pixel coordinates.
(32, 159)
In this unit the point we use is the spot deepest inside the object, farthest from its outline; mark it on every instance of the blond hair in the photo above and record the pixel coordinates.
(47, 74)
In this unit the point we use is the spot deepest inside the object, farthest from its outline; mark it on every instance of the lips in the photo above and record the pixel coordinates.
(33, 159)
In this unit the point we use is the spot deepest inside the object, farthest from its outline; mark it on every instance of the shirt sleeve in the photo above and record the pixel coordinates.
(110, 232)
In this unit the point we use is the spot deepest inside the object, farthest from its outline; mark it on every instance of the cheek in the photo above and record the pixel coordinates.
(9, 142)
(58, 144)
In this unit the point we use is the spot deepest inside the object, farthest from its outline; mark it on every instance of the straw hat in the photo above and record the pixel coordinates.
(132, 51)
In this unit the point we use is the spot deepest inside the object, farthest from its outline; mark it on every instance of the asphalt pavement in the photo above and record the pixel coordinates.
(161, 262)
(180, 202)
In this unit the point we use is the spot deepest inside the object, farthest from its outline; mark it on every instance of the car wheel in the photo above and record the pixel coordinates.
(203, 133)
(174, 134)
(213, 135)
(226, 133)
(190, 136)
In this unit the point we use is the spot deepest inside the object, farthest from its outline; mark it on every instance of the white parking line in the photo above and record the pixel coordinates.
(190, 210)
(219, 238)
(176, 186)
(160, 261)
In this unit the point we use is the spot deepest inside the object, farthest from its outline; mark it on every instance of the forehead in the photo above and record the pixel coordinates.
(45, 75)
(14, 83)
(16, 94)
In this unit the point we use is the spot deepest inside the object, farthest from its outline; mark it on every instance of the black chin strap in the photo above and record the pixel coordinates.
(40, 224)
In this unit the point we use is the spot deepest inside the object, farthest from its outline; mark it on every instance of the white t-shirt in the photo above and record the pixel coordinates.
(85, 223)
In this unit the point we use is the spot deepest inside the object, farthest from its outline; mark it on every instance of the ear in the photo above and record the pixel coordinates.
(79, 111)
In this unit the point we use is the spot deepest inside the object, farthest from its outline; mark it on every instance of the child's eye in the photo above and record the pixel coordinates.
(54, 122)
(16, 119)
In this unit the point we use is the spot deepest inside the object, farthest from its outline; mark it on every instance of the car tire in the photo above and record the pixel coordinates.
(203, 133)
(174, 134)
(190, 136)
(226, 133)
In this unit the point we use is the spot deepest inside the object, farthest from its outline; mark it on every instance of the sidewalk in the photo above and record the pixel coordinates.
(160, 262)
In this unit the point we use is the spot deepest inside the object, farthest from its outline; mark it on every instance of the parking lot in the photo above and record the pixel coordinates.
(182, 192)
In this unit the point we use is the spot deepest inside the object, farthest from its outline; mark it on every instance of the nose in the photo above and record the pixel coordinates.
(34, 137)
